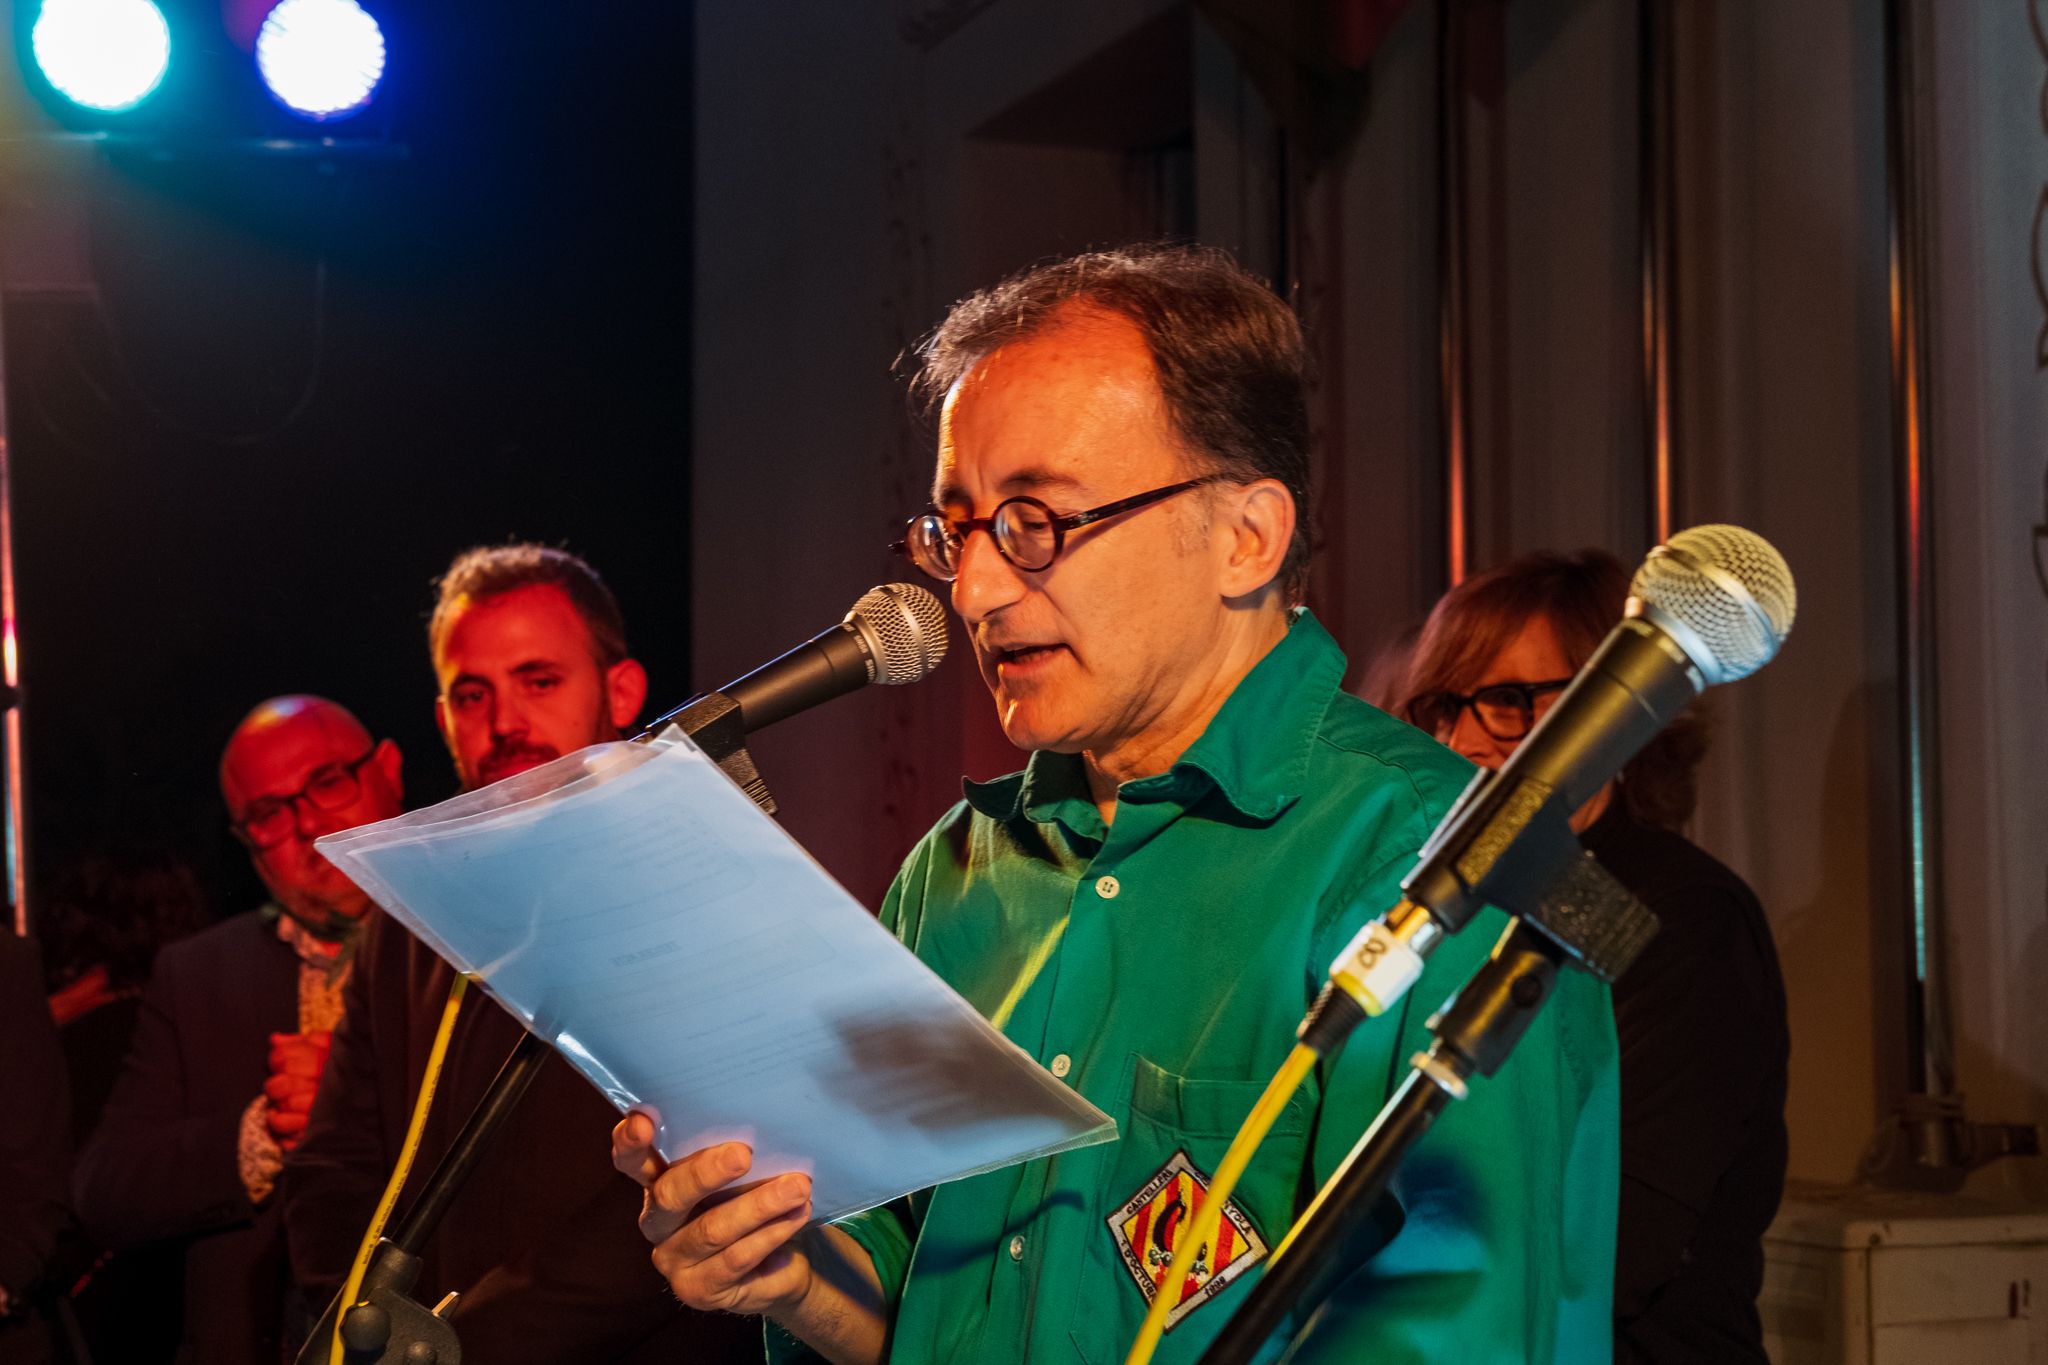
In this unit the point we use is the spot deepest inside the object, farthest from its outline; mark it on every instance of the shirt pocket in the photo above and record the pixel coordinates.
(1172, 1142)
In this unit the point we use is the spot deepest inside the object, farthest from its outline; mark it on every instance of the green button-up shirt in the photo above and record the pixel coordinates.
(1159, 965)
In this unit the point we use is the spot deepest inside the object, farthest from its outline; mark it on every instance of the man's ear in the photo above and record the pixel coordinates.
(1258, 527)
(443, 725)
(625, 691)
(391, 764)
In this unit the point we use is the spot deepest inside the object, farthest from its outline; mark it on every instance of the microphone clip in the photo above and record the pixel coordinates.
(714, 724)
(1510, 844)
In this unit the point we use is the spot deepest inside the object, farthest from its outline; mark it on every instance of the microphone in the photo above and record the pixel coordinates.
(1711, 605)
(895, 634)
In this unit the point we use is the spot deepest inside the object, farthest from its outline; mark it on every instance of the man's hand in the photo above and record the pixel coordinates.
(296, 1061)
(737, 1250)
(720, 1250)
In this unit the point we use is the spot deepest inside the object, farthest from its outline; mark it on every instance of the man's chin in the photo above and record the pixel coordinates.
(1032, 731)
(328, 919)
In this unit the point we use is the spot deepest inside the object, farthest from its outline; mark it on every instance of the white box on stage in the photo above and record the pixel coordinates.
(1881, 1277)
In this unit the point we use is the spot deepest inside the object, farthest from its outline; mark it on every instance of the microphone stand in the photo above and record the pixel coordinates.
(387, 1324)
(1475, 1032)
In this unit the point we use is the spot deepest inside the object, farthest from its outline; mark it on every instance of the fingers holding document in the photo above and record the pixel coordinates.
(724, 1245)
(720, 1247)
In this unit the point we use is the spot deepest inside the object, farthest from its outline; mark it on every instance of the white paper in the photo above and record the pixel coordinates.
(635, 909)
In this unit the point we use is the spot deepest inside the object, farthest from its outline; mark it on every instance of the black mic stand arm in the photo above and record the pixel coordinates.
(386, 1324)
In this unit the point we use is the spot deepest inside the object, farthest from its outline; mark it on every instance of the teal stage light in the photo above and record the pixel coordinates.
(105, 55)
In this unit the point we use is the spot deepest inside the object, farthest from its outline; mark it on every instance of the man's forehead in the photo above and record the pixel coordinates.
(1038, 480)
(531, 625)
(273, 754)
(1063, 411)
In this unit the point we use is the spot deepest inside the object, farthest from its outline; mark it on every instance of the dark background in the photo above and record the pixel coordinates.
(303, 381)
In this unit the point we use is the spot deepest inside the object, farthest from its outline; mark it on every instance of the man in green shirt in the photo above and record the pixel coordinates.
(1149, 907)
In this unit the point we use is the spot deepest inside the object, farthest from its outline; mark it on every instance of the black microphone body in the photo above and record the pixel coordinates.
(835, 661)
(1633, 686)
(895, 634)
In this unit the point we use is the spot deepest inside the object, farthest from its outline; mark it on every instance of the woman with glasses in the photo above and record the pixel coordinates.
(1701, 1015)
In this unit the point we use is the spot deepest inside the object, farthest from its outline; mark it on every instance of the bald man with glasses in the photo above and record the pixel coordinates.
(233, 1034)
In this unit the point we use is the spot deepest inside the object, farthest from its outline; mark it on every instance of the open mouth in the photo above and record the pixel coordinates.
(1024, 657)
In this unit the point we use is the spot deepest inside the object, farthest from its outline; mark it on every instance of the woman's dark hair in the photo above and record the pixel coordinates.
(1582, 595)
(1229, 353)
(115, 909)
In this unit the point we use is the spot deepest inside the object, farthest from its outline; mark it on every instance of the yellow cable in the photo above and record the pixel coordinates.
(406, 1153)
(1253, 1132)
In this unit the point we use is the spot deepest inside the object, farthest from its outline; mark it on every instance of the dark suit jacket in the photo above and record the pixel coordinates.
(162, 1164)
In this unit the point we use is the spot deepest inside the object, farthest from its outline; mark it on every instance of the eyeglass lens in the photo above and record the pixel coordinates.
(272, 820)
(1022, 528)
(1505, 711)
(1024, 531)
(934, 547)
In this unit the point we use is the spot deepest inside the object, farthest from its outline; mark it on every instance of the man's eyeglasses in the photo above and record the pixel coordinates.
(270, 820)
(1505, 710)
(1026, 532)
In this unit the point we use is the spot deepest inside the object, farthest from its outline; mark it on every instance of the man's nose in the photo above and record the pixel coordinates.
(986, 582)
(311, 821)
(508, 717)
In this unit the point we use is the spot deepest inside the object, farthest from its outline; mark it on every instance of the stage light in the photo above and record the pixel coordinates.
(108, 55)
(320, 58)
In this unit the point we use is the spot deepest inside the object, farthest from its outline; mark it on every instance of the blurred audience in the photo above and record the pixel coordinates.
(107, 913)
(1701, 1015)
(102, 921)
(233, 1033)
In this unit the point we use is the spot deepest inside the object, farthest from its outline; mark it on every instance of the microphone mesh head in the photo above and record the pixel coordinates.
(905, 627)
(1730, 588)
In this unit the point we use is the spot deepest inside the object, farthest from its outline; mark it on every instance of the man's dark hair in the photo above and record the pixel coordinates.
(1582, 595)
(493, 570)
(1229, 353)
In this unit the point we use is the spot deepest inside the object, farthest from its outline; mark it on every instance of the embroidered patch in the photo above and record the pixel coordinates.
(1148, 1228)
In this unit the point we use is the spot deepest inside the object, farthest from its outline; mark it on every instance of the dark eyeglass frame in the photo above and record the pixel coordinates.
(289, 805)
(964, 527)
(1450, 704)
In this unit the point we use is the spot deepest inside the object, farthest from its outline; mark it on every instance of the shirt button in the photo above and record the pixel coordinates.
(1107, 887)
(1017, 1248)
(1062, 1064)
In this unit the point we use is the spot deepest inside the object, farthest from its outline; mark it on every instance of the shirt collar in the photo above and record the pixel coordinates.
(1051, 787)
(1254, 754)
